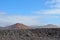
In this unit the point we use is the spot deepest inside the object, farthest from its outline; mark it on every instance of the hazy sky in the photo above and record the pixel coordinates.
(29, 12)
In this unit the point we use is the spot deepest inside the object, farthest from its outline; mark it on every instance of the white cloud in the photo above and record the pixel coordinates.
(57, 0)
(53, 3)
(2, 13)
(12, 19)
(32, 20)
(28, 20)
(51, 11)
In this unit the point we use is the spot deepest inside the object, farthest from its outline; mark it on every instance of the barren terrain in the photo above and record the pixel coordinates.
(31, 34)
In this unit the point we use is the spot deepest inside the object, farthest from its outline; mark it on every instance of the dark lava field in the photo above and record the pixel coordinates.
(31, 34)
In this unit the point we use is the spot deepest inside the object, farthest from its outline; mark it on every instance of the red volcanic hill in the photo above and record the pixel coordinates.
(18, 26)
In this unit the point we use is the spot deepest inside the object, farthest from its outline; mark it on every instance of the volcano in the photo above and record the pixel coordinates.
(18, 26)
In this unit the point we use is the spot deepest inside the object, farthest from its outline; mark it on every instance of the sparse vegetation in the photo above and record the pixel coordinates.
(31, 34)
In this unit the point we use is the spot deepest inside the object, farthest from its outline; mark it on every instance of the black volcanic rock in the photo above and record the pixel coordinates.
(31, 34)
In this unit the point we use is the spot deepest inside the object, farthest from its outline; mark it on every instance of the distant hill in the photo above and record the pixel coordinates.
(49, 26)
(22, 26)
(17, 26)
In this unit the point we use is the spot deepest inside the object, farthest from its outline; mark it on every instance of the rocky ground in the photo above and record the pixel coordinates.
(31, 34)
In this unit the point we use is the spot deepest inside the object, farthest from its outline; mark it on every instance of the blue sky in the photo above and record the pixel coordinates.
(21, 6)
(29, 12)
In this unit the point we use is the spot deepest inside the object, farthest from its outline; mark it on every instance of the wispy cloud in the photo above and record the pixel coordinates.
(39, 19)
(51, 11)
(12, 19)
(28, 20)
(2, 13)
(53, 3)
